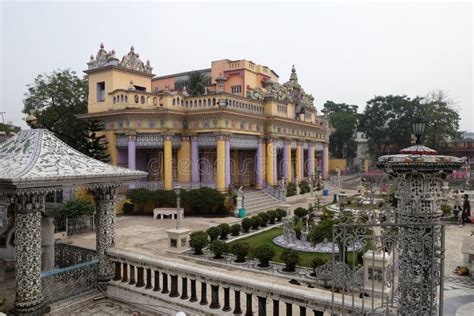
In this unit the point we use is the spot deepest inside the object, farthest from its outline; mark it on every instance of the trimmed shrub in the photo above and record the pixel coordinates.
(213, 232)
(165, 198)
(128, 208)
(291, 189)
(291, 258)
(301, 212)
(240, 250)
(321, 231)
(218, 248)
(246, 224)
(280, 214)
(235, 229)
(304, 187)
(204, 201)
(264, 217)
(256, 220)
(73, 209)
(224, 229)
(446, 209)
(264, 253)
(272, 216)
(198, 241)
(140, 197)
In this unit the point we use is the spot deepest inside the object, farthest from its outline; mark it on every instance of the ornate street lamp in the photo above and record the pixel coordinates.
(177, 190)
(418, 173)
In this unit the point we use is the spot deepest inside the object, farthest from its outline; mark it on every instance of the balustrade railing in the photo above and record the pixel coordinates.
(277, 192)
(141, 279)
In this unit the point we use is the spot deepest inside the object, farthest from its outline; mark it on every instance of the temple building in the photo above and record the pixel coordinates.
(245, 129)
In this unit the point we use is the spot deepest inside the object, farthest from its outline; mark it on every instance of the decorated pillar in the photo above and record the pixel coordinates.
(132, 148)
(105, 198)
(325, 161)
(29, 291)
(168, 162)
(419, 174)
(299, 161)
(289, 161)
(259, 183)
(227, 162)
(264, 160)
(270, 161)
(310, 164)
(285, 159)
(195, 160)
(184, 160)
(275, 164)
(221, 168)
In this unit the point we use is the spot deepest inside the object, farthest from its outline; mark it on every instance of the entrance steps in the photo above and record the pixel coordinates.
(257, 201)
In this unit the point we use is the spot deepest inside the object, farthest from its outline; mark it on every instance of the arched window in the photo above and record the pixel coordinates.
(136, 98)
(214, 101)
(195, 103)
(114, 100)
(142, 99)
(200, 102)
(208, 102)
(126, 99)
(155, 101)
(186, 103)
(174, 101)
(182, 102)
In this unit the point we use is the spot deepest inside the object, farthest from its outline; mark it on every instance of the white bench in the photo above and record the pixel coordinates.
(160, 213)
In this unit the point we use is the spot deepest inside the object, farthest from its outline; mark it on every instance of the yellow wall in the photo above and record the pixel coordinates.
(337, 163)
(220, 179)
(167, 144)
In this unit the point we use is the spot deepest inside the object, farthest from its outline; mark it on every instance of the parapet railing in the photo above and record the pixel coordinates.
(186, 286)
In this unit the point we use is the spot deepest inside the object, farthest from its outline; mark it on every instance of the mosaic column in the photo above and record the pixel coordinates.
(29, 291)
(132, 148)
(325, 161)
(221, 168)
(227, 162)
(259, 164)
(168, 160)
(310, 164)
(270, 161)
(195, 160)
(105, 198)
(419, 174)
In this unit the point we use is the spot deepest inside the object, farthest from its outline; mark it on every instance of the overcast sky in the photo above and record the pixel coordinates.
(342, 52)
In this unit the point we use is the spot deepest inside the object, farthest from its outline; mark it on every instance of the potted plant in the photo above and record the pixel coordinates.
(235, 229)
(224, 230)
(291, 258)
(240, 250)
(213, 232)
(198, 241)
(218, 248)
(246, 224)
(264, 253)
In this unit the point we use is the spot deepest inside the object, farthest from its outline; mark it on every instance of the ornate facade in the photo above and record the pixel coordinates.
(246, 129)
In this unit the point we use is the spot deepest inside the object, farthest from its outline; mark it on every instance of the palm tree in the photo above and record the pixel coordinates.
(197, 83)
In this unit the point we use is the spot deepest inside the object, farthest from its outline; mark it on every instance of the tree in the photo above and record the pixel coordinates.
(264, 253)
(224, 229)
(197, 83)
(291, 258)
(240, 250)
(55, 100)
(218, 248)
(198, 241)
(235, 229)
(246, 224)
(95, 146)
(343, 118)
(213, 232)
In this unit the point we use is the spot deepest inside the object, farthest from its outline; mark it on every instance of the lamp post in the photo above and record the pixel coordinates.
(418, 173)
(177, 190)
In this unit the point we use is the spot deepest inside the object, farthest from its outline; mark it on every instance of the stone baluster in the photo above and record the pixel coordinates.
(118, 275)
(132, 275)
(226, 307)
(184, 288)
(124, 272)
(302, 311)
(140, 279)
(105, 198)
(276, 307)
(174, 286)
(215, 297)
(262, 306)
(237, 307)
(164, 277)
(29, 292)
(157, 288)
(248, 301)
(193, 291)
(289, 309)
(149, 286)
(203, 293)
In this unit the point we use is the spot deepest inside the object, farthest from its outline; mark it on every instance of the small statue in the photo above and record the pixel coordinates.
(240, 192)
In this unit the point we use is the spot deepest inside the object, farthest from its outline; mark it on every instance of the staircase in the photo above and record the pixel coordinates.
(256, 201)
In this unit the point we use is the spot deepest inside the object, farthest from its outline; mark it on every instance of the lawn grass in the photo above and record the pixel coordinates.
(266, 237)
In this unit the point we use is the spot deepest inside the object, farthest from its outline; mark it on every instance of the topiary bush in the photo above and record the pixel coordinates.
(272, 216)
(304, 187)
(128, 208)
(280, 214)
(235, 229)
(300, 212)
(264, 253)
(213, 232)
(291, 258)
(165, 198)
(198, 241)
(246, 224)
(204, 201)
(256, 220)
(224, 229)
(240, 250)
(263, 219)
(291, 189)
(218, 248)
(140, 197)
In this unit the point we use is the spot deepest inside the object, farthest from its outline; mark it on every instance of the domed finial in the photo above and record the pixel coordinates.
(132, 49)
(293, 70)
(101, 45)
(92, 57)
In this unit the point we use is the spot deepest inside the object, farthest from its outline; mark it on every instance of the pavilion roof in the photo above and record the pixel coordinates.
(37, 159)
